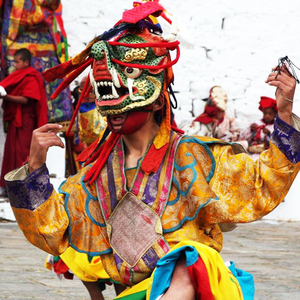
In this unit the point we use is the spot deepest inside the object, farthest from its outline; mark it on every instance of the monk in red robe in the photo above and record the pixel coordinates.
(24, 109)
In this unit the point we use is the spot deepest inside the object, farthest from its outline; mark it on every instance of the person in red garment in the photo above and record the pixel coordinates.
(24, 109)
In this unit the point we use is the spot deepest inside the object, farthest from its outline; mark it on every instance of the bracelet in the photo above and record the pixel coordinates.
(287, 99)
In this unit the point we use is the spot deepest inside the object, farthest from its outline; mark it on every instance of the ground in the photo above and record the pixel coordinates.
(269, 250)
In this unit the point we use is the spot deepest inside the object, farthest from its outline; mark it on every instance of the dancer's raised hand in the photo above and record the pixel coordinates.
(43, 138)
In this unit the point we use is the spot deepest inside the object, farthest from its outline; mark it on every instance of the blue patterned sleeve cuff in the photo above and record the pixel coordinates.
(287, 138)
(28, 191)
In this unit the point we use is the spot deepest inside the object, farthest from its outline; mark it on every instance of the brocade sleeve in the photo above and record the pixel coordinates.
(248, 190)
(38, 209)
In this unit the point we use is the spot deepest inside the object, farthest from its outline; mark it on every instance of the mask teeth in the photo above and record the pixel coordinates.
(94, 84)
(114, 91)
(114, 94)
(107, 97)
(130, 89)
(115, 78)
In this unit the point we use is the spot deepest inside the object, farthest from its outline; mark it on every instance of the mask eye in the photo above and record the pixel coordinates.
(132, 72)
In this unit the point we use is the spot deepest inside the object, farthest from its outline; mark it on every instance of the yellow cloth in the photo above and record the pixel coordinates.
(224, 286)
(91, 126)
(81, 268)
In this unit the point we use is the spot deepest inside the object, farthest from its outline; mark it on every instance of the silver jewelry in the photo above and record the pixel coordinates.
(287, 99)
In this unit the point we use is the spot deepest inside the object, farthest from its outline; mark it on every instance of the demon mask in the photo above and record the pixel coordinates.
(129, 73)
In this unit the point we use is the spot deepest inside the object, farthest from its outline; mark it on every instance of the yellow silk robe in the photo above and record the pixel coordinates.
(211, 183)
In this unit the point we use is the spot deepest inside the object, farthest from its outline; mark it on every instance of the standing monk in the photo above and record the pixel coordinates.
(145, 211)
(24, 109)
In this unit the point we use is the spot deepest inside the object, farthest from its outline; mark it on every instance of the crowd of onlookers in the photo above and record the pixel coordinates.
(214, 122)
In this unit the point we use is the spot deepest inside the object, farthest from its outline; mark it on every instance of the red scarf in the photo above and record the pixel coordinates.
(209, 115)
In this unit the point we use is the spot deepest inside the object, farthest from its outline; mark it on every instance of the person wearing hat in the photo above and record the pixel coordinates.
(259, 133)
(144, 212)
(214, 122)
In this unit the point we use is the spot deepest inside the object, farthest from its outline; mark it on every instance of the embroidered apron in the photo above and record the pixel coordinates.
(133, 215)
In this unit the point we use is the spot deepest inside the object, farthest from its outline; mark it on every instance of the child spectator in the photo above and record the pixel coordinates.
(24, 109)
(259, 133)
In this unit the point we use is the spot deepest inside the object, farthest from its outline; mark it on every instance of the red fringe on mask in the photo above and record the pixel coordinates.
(102, 154)
(71, 77)
(86, 89)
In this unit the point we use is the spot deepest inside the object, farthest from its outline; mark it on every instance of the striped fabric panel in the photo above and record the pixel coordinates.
(167, 172)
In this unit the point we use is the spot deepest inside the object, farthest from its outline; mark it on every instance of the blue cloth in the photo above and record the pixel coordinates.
(245, 280)
(286, 138)
(87, 106)
(165, 267)
(37, 182)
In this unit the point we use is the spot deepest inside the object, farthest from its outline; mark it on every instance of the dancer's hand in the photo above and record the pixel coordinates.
(42, 139)
(286, 85)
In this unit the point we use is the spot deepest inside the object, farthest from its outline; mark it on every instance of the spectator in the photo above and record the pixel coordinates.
(38, 27)
(214, 122)
(259, 133)
(24, 109)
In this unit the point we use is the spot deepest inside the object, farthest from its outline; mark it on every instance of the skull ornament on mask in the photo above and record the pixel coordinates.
(123, 77)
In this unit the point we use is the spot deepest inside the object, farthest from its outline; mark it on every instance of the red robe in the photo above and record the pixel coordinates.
(22, 118)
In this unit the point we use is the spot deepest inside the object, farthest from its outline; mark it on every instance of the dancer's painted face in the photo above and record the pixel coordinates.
(120, 88)
(128, 122)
